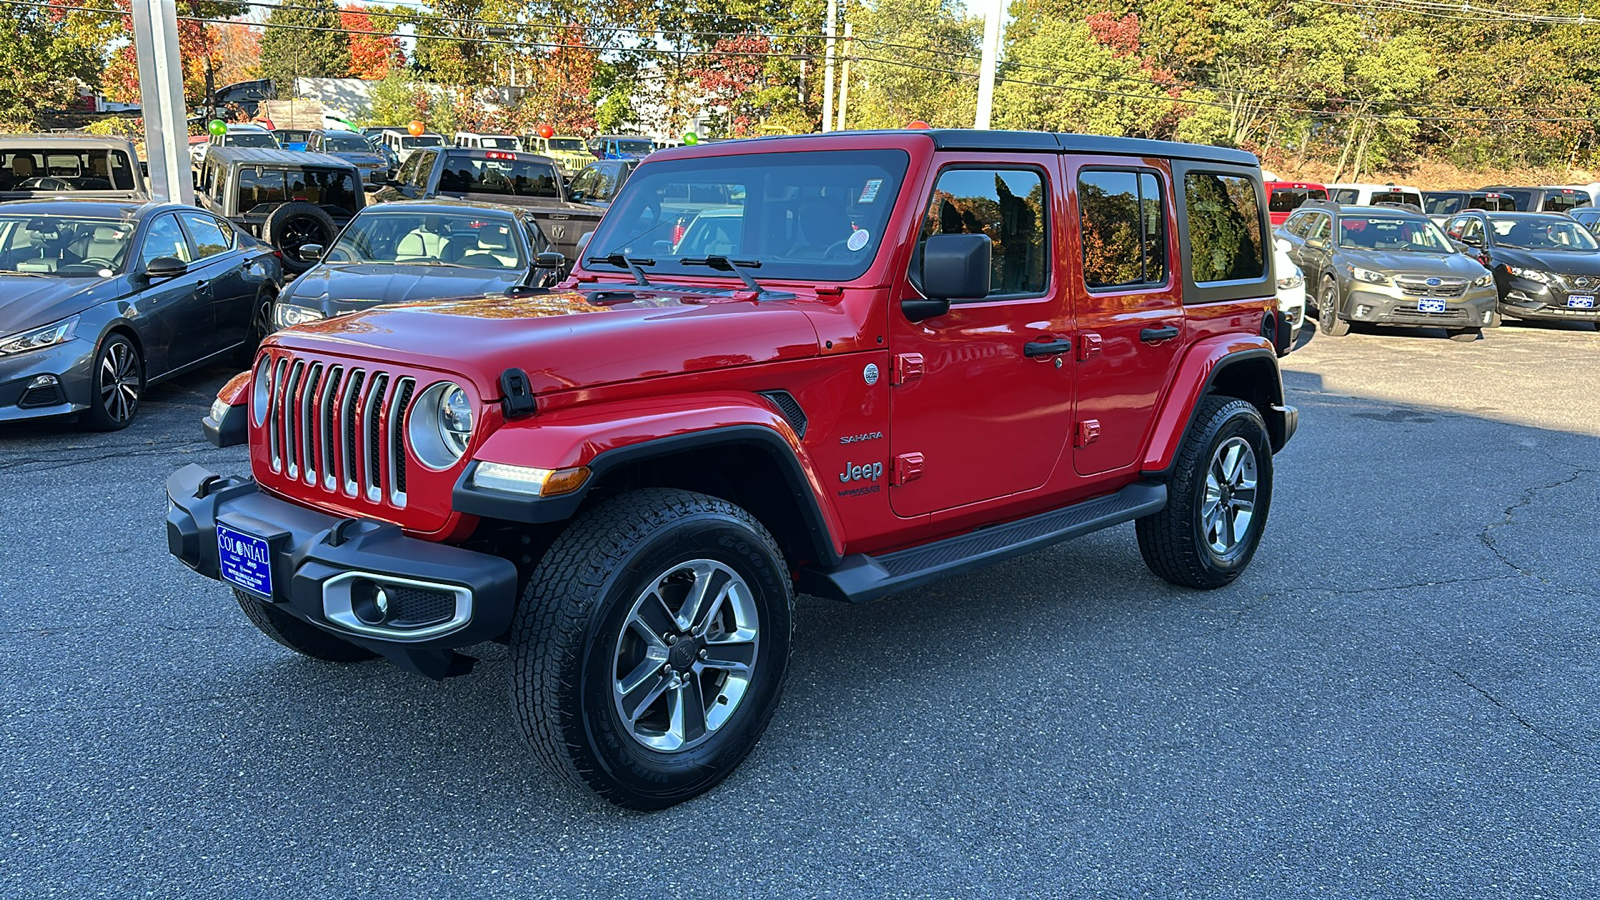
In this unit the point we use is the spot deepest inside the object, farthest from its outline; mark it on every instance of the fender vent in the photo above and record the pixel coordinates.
(789, 407)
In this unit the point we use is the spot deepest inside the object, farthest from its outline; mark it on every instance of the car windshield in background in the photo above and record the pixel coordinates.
(63, 246)
(345, 143)
(817, 216)
(506, 177)
(251, 139)
(1391, 234)
(498, 143)
(66, 170)
(1443, 204)
(459, 239)
(428, 140)
(566, 144)
(1542, 234)
(1290, 199)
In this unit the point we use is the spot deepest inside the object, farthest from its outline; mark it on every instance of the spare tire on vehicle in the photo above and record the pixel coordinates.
(295, 224)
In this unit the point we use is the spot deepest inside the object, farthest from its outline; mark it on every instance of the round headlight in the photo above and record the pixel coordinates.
(455, 419)
(260, 390)
(439, 426)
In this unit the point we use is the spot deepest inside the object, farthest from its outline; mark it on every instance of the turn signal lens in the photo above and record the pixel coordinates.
(528, 480)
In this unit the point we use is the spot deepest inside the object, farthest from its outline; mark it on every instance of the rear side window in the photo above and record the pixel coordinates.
(1224, 228)
(1123, 229)
(258, 186)
(1444, 204)
(1008, 205)
(324, 187)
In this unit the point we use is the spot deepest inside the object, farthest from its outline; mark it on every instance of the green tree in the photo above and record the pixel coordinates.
(914, 59)
(44, 60)
(1066, 77)
(296, 46)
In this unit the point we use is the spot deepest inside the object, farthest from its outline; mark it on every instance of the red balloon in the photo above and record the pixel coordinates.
(918, 125)
(546, 132)
(415, 128)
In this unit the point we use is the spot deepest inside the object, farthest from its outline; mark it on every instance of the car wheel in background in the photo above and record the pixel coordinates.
(260, 327)
(292, 226)
(1328, 321)
(1464, 335)
(118, 384)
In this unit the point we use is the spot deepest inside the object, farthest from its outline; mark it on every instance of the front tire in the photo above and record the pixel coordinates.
(651, 646)
(1328, 321)
(304, 639)
(1217, 499)
(117, 385)
(1465, 335)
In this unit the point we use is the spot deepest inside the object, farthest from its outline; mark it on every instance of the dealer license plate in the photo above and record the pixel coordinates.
(1436, 306)
(1581, 301)
(246, 560)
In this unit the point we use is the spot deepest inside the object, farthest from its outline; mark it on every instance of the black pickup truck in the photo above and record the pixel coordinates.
(497, 176)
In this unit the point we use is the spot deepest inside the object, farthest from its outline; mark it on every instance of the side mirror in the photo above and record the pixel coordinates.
(1317, 244)
(1472, 241)
(954, 267)
(583, 241)
(549, 260)
(309, 252)
(574, 195)
(165, 267)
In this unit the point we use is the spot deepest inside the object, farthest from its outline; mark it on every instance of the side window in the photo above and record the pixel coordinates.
(1297, 223)
(1123, 228)
(165, 238)
(258, 186)
(408, 169)
(209, 238)
(1345, 195)
(1318, 228)
(1224, 228)
(584, 185)
(423, 171)
(1008, 205)
(1472, 230)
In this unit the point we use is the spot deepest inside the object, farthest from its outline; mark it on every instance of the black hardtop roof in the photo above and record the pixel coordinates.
(1521, 214)
(288, 159)
(1044, 142)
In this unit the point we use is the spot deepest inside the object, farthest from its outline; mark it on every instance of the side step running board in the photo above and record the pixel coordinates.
(860, 577)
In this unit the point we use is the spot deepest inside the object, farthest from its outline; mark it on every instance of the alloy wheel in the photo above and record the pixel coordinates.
(119, 381)
(685, 655)
(1228, 506)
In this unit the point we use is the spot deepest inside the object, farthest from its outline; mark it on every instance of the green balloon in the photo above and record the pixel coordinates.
(217, 127)
(690, 138)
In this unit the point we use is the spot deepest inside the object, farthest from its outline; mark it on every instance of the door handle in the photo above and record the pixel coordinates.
(1035, 349)
(1156, 335)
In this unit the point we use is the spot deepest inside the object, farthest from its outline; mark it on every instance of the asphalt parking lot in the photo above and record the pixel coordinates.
(1400, 698)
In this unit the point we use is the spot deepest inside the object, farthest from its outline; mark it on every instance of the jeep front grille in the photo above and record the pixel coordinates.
(339, 428)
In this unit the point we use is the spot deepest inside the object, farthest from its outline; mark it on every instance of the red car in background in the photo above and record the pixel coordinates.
(1284, 197)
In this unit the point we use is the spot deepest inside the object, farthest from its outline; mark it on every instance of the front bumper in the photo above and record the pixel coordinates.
(70, 363)
(1528, 299)
(444, 597)
(1473, 309)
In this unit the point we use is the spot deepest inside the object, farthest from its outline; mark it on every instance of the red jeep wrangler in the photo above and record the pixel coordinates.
(843, 365)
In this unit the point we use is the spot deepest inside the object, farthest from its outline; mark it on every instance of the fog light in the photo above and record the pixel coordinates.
(43, 381)
(1486, 315)
(1363, 311)
(369, 602)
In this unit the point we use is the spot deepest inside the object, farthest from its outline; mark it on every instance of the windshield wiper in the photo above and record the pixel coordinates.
(736, 266)
(635, 265)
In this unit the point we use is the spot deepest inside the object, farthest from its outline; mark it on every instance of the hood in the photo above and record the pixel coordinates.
(337, 289)
(565, 339)
(29, 301)
(358, 158)
(1561, 262)
(1404, 263)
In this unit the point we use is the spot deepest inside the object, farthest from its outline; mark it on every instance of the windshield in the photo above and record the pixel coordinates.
(1442, 204)
(1391, 235)
(251, 139)
(346, 143)
(427, 140)
(511, 177)
(1289, 199)
(66, 170)
(458, 239)
(566, 144)
(57, 245)
(817, 216)
(1542, 234)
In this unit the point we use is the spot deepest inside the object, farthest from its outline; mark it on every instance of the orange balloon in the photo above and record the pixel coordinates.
(416, 128)
(918, 125)
(546, 132)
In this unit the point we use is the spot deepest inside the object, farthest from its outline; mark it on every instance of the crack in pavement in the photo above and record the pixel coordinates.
(1486, 535)
(22, 466)
(1554, 741)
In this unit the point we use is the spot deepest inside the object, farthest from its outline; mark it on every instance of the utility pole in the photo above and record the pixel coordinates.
(166, 132)
(827, 77)
(844, 81)
(993, 11)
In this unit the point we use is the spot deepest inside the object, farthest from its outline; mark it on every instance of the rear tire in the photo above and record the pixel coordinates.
(304, 639)
(1328, 321)
(620, 681)
(1203, 538)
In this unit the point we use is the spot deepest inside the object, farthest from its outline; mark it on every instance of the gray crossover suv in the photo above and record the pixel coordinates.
(1387, 266)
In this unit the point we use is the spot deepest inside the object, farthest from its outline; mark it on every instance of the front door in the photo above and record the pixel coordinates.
(177, 315)
(973, 416)
(1130, 320)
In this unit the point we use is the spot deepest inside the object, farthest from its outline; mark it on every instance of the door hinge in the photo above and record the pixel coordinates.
(1088, 432)
(907, 468)
(907, 368)
(1088, 345)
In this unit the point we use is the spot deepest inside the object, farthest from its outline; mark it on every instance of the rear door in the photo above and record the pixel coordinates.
(220, 264)
(973, 416)
(1129, 315)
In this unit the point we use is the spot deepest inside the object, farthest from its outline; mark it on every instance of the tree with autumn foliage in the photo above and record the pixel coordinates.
(198, 49)
(46, 54)
(558, 88)
(735, 84)
(374, 49)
